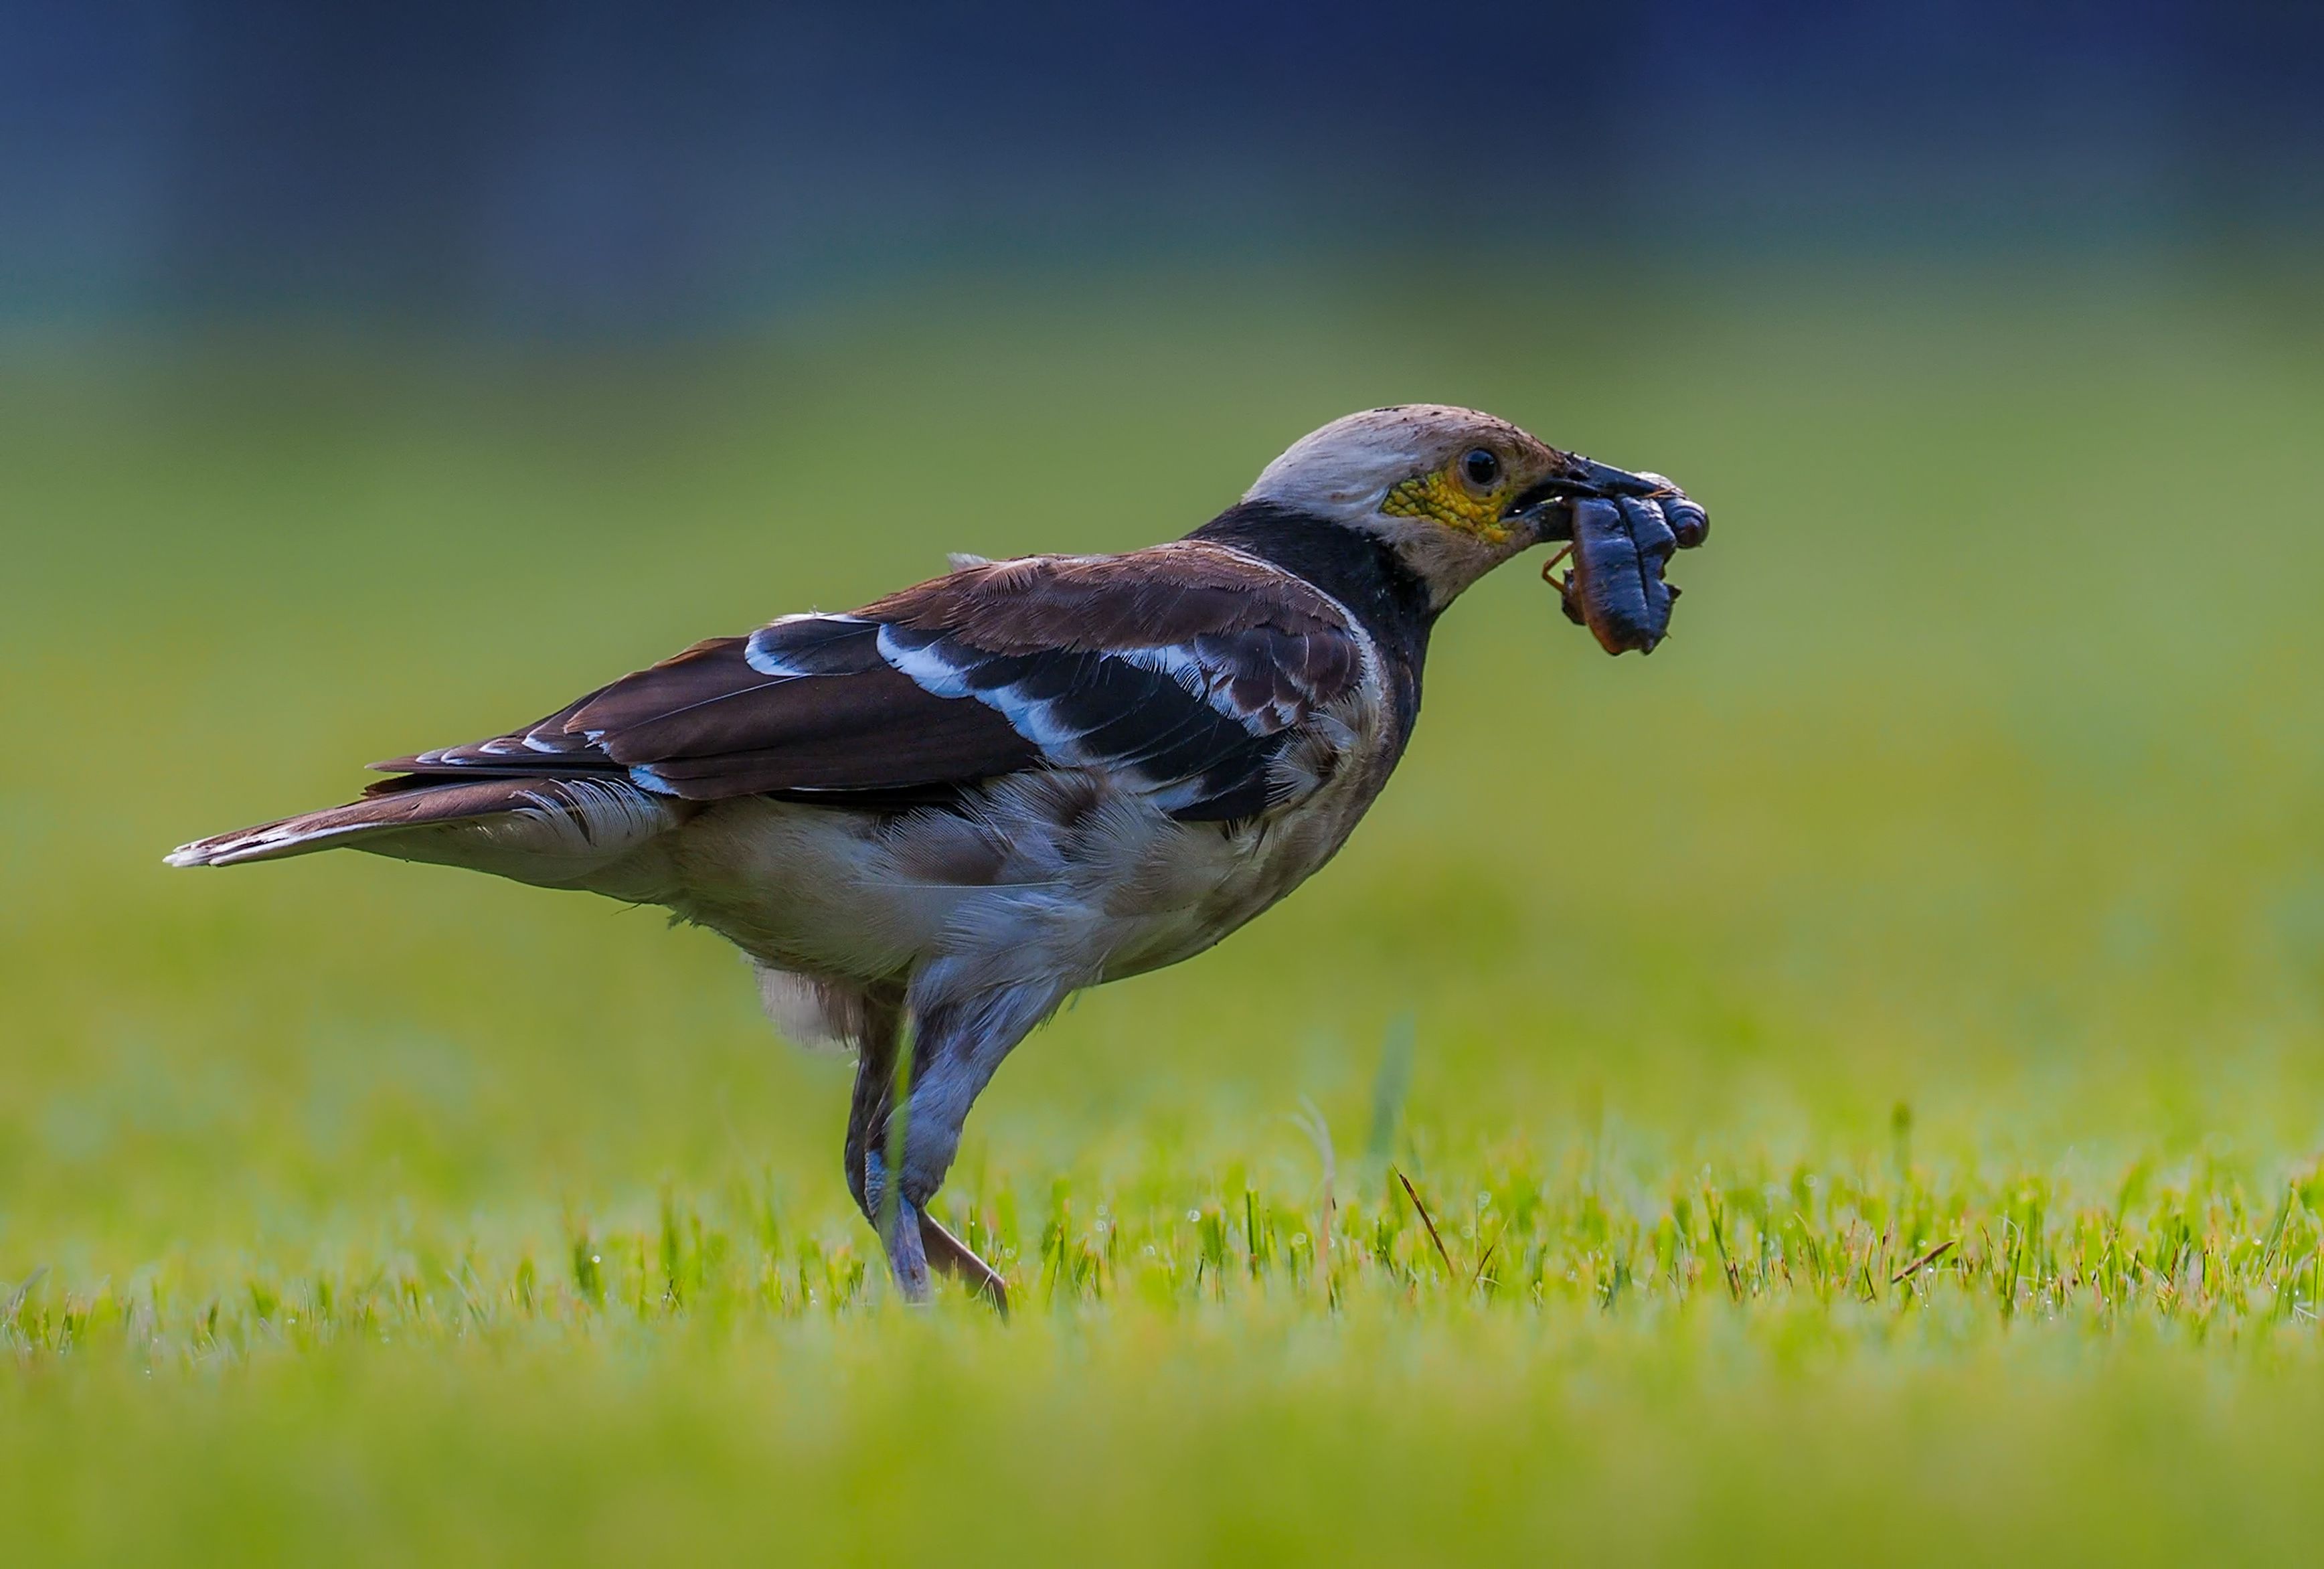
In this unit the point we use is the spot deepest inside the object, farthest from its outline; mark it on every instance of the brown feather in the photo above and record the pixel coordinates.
(435, 802)
(1152, 598)
(709, 725)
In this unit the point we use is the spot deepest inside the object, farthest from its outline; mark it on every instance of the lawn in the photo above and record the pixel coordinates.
(1858, 1073)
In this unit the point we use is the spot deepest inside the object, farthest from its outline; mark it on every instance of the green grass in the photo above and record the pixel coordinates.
(1864, 1065)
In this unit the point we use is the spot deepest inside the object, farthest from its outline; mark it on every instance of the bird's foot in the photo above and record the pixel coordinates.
(954, 1257)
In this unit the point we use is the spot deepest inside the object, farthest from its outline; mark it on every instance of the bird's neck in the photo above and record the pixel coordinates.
(1363, 573)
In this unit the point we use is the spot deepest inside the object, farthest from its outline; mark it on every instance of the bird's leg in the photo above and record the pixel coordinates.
(960, 1034)
(869, 1119)
(956, 1050)
(900, 1233)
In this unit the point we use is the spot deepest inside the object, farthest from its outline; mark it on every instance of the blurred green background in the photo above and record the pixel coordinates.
(1980, 777)
(1952, 876)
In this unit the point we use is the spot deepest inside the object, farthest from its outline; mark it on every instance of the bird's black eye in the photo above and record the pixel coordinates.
(1482, 466)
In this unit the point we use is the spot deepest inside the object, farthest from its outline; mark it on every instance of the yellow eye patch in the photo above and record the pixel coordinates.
(1445, 499)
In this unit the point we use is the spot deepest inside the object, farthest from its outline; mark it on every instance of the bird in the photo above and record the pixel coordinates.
(930, 821)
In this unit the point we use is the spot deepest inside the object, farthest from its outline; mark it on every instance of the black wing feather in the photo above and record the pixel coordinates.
(1180, 669)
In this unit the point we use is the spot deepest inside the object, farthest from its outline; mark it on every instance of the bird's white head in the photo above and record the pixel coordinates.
(1454, 492)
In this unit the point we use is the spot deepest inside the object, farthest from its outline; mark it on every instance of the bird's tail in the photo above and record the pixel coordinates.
(550, 830)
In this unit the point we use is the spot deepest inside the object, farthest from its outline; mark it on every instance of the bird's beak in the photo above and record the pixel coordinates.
(1548, 505)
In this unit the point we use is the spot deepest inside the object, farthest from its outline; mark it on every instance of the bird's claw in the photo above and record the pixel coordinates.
(948, 1253)
(916, 1241)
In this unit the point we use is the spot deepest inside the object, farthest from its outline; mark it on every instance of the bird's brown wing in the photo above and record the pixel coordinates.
(1180, 669)
(705, 726)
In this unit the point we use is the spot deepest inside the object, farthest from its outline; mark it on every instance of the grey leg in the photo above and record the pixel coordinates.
(900, 1233)
(875, 1071)
(896, 1220)
(957, 1043)
(959, 1039)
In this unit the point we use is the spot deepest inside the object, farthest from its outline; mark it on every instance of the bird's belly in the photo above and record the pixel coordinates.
(1232, 873)
(1057, 873)
(804, 889)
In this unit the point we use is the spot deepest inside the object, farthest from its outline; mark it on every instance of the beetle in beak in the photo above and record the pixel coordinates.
(1621, 530)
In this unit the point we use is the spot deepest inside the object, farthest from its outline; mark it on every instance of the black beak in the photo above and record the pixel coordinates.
(1549, 504)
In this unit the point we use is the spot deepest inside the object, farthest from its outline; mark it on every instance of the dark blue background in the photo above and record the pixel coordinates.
(655, 167)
